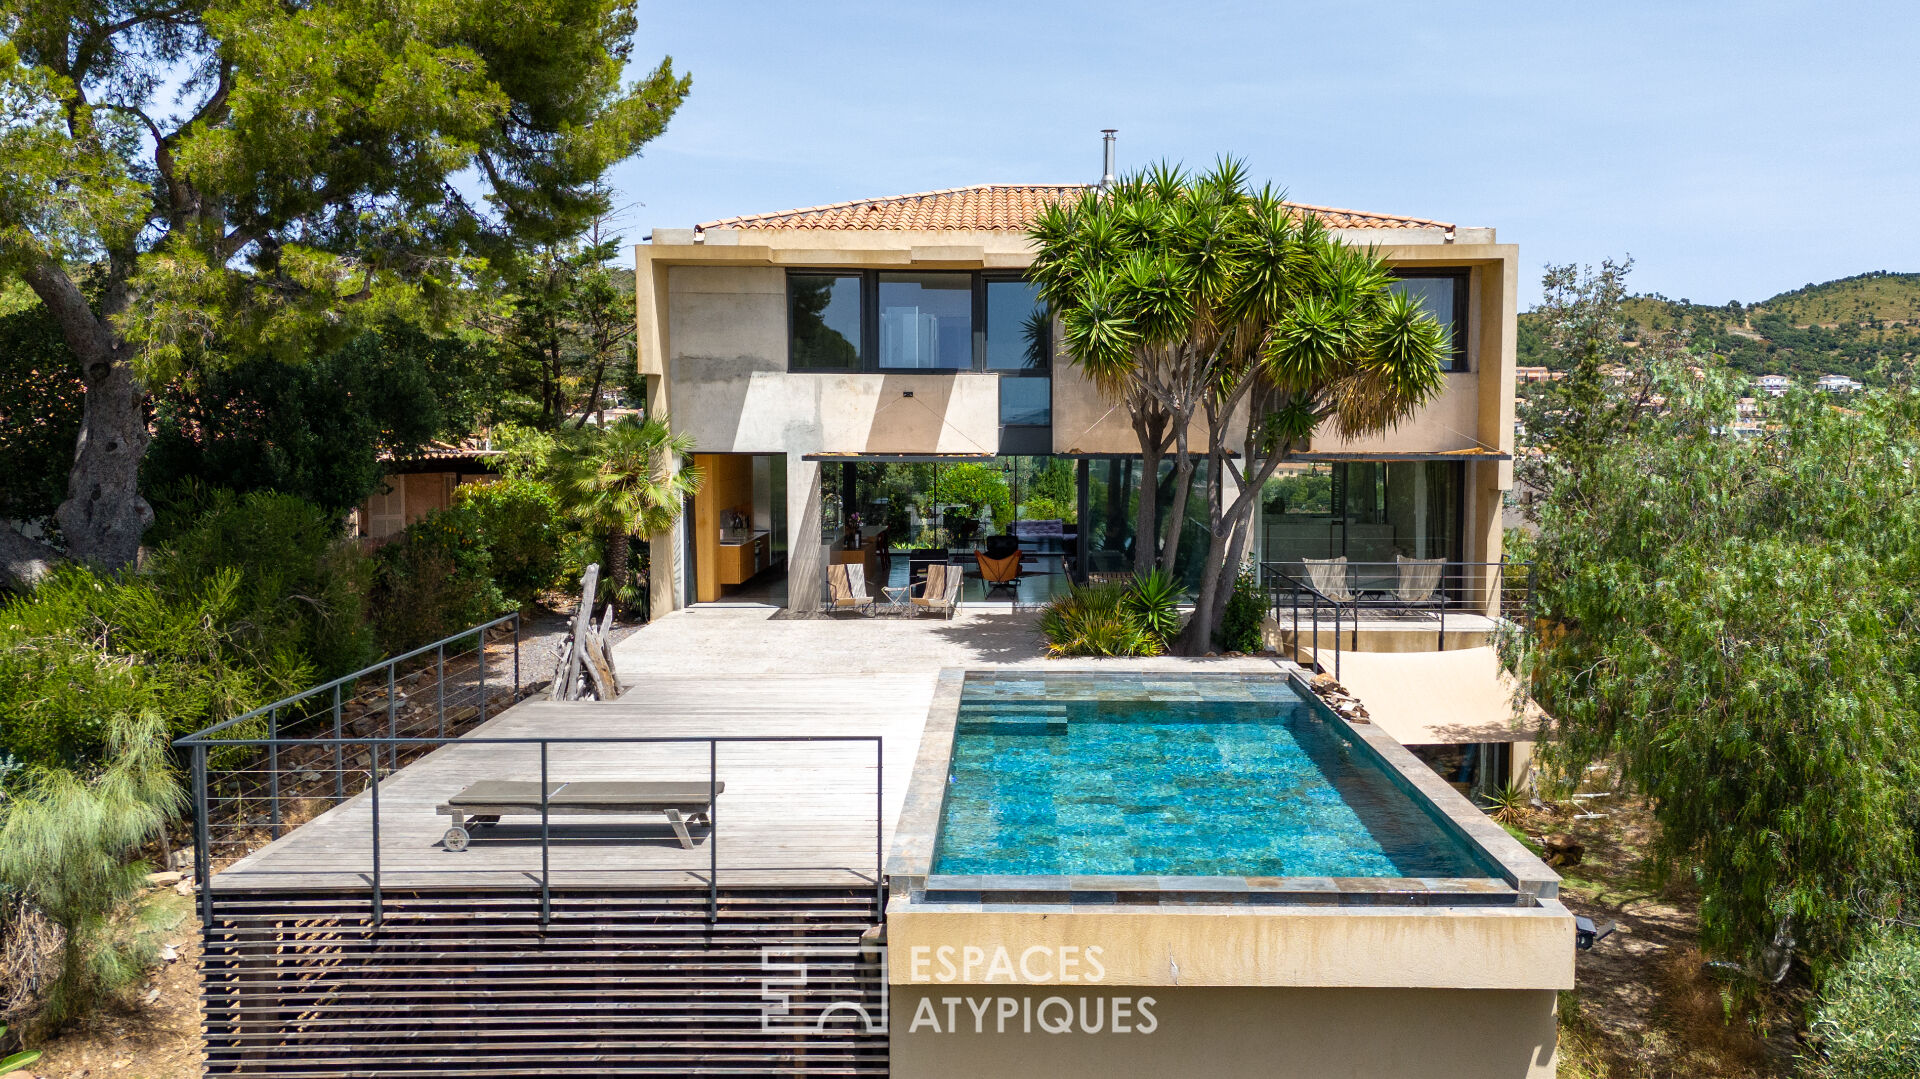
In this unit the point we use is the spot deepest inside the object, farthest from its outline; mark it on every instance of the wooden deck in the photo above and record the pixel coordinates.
(793, 814)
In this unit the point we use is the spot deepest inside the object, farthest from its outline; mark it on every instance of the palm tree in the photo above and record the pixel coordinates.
(619, 480)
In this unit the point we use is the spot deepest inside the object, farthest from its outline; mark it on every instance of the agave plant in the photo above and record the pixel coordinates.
(1155, 601)
(1508, 805)
(1096, 620)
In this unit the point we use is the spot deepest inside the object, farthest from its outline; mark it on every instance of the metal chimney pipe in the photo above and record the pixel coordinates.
(1106, 174)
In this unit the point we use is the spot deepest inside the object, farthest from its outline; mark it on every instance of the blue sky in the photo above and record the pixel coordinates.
(1735, 150)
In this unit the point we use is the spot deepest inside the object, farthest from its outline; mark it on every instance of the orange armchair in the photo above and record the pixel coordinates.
(999, 572)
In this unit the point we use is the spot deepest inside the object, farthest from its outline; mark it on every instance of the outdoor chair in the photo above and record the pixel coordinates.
(1328, 576)
(940, 592)
(484, 803)
(847, 588)
(1000, 572)
(919, 558)
(1419, 578)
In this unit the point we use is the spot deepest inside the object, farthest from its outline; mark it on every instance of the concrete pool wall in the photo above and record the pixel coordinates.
(1247, 975)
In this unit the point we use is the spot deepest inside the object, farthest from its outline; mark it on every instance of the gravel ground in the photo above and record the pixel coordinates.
(541, 635)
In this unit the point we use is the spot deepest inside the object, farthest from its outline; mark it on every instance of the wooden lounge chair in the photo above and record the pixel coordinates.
(940, 592)
(485, 802)
(847, 588)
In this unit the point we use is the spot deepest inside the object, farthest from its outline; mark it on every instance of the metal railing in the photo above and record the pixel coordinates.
(260, 775)
(372, 747)
(1482, 588)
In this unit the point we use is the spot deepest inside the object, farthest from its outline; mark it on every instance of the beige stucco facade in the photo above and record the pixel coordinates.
(713, 341)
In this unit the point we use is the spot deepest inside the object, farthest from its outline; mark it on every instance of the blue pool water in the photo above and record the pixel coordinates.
(1188, 775)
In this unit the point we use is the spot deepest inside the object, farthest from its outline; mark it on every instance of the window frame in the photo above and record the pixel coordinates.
(862, 348)
(1462, 278)
(869, 347)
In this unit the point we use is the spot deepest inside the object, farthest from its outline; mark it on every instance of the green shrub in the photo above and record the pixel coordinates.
(1866, 1018)
(1245, 613)
(81, 650)
(1096, 620)
(433, 581)
(519, 522)
(66, 847)
(302, 588)
(1154, 600)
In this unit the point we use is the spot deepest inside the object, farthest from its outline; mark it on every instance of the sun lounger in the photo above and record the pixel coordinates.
(487, 801)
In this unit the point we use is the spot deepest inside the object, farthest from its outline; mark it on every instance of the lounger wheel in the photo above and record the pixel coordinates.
(456, 839)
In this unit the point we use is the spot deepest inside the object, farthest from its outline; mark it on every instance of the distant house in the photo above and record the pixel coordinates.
(420, 484)
(1836, 384)
(1774, 385)
(1537, 374)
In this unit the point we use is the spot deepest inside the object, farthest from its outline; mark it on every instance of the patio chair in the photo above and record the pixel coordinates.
(1419, 578)
(1328, 576)
(1000, 572)
(847, 588)
(940, 592)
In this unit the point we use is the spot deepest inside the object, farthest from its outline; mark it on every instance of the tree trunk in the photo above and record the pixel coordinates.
(1180, 493)
(1146, 518)
(1197, 637)
(1217, 586)
(104, 515)
(1224, 555)
(618, 568)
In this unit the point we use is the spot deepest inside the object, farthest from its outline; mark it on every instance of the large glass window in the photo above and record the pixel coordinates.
(1018, 328)
(824, 311)
(896, 518)
(899, 321)
(1443, 295)
(1113, 505)
(1026, 401)
(1368, 511)
(926, 321)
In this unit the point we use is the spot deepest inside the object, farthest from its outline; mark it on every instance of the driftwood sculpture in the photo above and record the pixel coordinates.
(584, 670)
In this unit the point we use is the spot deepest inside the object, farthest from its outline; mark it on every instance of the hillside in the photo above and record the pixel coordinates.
(1860, 326)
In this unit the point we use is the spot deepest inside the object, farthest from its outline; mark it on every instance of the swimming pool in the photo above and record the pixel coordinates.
(1177, 775)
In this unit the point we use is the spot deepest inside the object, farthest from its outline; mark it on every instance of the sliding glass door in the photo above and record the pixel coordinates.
(1368, 511)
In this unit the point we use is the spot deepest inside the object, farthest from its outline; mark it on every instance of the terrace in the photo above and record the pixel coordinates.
(832, 737)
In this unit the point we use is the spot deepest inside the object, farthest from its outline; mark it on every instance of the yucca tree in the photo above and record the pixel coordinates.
(1195, 300)
(621, 481)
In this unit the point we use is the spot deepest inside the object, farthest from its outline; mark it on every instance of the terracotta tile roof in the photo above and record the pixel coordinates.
(993, 208)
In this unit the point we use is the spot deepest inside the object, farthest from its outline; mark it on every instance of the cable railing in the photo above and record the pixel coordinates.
(1417, 589)
(451, 684)
(258, 777)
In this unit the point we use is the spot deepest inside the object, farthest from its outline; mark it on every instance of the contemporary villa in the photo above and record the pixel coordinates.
(819, 347)
(852, 842)
(850, 373)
